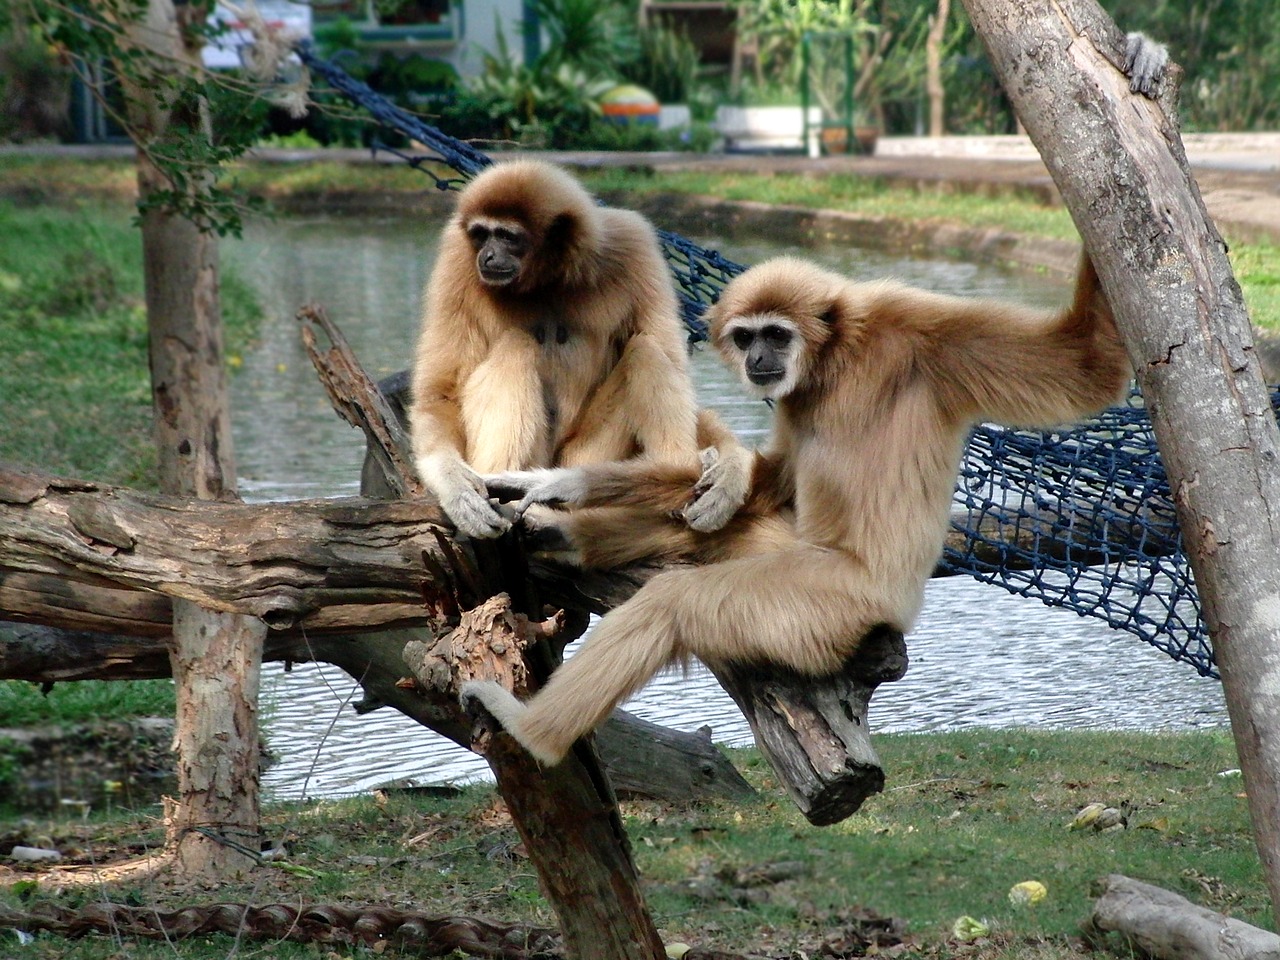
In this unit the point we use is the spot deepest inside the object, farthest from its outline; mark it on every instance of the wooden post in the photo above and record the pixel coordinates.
(216, 656)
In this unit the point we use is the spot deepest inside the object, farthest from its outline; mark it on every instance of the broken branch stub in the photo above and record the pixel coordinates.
(813, 730)
(488, 643)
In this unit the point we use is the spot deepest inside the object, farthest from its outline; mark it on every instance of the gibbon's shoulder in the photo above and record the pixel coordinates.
(626, 236)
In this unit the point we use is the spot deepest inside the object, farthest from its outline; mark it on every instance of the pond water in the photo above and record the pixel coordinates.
(980, 657)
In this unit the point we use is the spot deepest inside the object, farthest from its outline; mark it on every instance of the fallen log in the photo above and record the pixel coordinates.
(1158, 923)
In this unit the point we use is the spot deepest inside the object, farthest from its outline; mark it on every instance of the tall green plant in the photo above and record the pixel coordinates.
(539, 103)
(777, 27)
(667, 64)
(590, 35)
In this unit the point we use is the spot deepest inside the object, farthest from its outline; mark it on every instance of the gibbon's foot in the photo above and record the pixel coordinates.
(560, 486)
(1144, 63)
(503, 706)
(547, 538)
(720, 491)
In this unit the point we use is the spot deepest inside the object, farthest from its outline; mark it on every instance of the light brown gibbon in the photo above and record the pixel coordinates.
(876, 387)
(551, 335)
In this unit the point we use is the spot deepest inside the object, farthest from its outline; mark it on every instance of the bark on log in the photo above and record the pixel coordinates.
(311, 564)
(1120, 166)
(814, 732)
(1159, 923)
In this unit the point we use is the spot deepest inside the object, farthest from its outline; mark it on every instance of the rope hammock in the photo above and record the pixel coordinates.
(1080, 518)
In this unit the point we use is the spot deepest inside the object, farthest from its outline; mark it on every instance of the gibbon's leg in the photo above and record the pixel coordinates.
(804, 608)
(608, 537)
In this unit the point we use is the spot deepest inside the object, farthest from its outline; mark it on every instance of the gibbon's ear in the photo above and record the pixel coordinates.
(830, 315)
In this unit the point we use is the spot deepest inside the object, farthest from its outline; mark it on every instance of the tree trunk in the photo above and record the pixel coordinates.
(1119, 163)
(216, 656)
(567, 814)
(933, 69)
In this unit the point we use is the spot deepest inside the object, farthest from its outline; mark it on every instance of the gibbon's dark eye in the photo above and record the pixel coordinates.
(742, 337)
(477, 233)
(776, 336)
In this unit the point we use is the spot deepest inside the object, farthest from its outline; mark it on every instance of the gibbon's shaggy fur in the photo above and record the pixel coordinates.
(551, 336)
(876, 387)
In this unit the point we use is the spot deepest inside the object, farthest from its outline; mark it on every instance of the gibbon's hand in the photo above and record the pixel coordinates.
(462, 497)
(560, 486)
(1144, 63)
(720, 491)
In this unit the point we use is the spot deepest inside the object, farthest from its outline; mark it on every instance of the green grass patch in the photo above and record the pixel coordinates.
(1257, 267)
(965, 816)
(24, 704)
(51, 179)
(74, 370)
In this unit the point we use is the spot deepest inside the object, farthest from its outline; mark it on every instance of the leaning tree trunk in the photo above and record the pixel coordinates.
(1119, 163)
(213, 825)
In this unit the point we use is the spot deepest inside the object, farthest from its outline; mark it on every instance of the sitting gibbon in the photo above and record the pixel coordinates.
(876, 387)
(551, 335)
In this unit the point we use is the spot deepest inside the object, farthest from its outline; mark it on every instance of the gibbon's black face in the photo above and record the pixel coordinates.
(766, 345)
(501, 247)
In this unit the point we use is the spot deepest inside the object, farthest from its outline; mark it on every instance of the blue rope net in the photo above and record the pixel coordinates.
(1081, 519)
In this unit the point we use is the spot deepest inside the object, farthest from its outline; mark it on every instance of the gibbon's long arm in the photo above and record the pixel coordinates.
(445, 356)
(663, 488)
(726, 480)
(995, 361)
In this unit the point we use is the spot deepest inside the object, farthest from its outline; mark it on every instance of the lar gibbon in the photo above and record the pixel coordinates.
(551, 335)
(876, 386)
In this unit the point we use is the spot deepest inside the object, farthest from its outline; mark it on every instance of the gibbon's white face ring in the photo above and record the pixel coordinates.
(766, 346)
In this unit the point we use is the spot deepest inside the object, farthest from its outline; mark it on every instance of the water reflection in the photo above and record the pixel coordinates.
(979, 656)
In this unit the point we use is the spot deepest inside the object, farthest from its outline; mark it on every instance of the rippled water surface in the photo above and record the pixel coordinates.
(979, 656)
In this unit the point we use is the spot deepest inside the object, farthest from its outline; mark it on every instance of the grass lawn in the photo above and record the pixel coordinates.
(964, 818)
